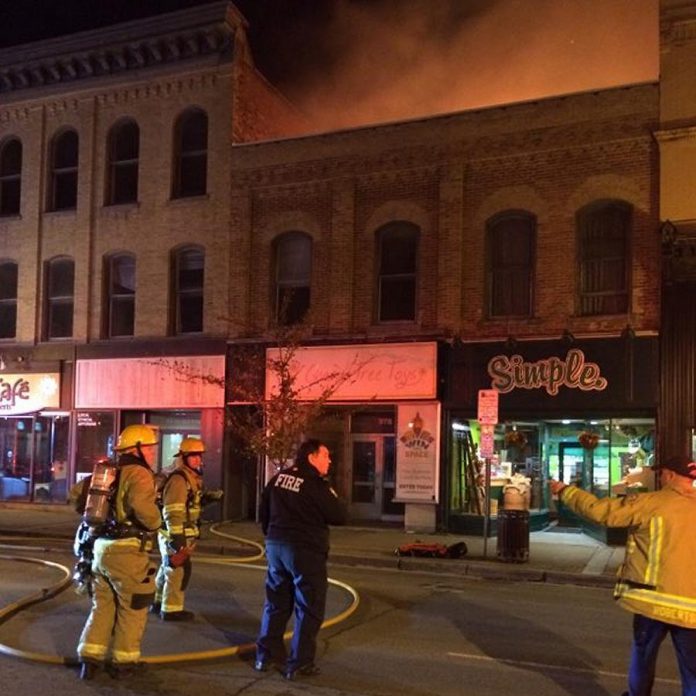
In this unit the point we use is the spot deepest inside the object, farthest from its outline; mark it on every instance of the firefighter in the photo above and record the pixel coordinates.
(123, 579)
(297, 507)
(182, 499)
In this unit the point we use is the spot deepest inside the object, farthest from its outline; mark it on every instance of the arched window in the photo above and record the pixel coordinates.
(604, 229)
(293, 272)
(119, 307)
(63, 174)
(60, 298)
(190, 154)
(188, 267)
(10, 177)
(510, 242)
(397, 261)
(124, 150)
(8, 299)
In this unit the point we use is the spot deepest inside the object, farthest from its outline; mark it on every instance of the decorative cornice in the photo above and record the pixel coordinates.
(187, 36)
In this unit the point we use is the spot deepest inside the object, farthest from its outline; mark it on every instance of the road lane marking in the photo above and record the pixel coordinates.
(558, 668)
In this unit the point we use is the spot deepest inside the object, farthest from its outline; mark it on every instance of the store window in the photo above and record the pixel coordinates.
(120, 295)
(63, 173)
(8, 299)
(397, 247)
(10, 177)
(606, 457)
(510, 241)
(124, 152)
(95, 440)
(188, 267)
(190, 154)
(293, 271)
(603, 237)
(34, 458)
(60, 290)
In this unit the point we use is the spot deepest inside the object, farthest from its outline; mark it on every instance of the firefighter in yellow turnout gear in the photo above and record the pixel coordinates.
(123, 579)
(182, 499)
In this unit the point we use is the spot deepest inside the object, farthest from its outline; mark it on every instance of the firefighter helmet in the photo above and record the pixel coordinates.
(191, 445)
(134, 435)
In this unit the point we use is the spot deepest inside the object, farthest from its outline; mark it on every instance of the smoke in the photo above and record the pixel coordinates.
(385, 60)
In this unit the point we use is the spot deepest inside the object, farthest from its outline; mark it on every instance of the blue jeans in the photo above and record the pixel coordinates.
(296, 579)
(648, 635)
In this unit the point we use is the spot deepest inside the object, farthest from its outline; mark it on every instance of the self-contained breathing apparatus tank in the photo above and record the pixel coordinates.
(96, 514)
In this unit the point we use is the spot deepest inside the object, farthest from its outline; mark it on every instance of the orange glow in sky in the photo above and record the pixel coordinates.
(394, 64)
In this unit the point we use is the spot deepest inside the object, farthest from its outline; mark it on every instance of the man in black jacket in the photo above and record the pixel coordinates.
(297, 506)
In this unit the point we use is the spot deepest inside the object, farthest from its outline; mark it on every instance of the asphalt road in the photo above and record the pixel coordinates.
(413, 634)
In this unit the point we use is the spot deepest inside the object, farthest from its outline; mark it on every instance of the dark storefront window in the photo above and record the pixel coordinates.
(95, 440)
(34, 458)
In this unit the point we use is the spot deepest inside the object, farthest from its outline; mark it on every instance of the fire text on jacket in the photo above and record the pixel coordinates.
(290, 483)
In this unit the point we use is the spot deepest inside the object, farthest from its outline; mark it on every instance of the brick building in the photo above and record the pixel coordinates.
(514, 247)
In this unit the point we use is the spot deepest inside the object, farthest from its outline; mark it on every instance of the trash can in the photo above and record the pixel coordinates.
(513, 536)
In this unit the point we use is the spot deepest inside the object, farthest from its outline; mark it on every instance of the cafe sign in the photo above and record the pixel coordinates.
(575, 372)
(26, 393)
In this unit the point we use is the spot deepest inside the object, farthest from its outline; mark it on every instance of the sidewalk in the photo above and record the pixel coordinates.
(561, 557)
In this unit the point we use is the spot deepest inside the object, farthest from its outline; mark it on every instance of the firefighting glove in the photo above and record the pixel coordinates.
(176, 560)
(212, 496)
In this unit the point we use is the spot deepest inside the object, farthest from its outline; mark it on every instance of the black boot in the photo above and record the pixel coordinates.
(124, 670)
(88, 670)
(310, 670)
(182, 615)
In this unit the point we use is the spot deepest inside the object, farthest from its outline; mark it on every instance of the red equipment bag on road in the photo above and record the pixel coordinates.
(457, 550)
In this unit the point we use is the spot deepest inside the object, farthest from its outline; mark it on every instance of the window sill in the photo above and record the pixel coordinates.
(64, 212)
(182, 200)
(10, 217)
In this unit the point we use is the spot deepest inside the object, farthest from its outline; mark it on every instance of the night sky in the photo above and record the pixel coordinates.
(351, 62)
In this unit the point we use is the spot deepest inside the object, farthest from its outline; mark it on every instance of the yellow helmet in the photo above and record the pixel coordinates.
(134, 435)
(191, 445)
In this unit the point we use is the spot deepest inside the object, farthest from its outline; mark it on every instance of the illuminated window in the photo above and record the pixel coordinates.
(188, 276)
(124, 150)
(120, 296)
(10, 177)
(293, 271)
(603, 234)
(8, 299)
(190, 154)
(63, 173)
(60, 288)
(397, 246)
(510, 239)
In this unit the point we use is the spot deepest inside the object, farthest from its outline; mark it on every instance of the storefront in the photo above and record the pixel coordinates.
(381, 423)
(180, 396)
(34, 436)
(582, 411)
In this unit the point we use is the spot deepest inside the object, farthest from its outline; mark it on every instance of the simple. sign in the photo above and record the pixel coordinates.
(487, 406)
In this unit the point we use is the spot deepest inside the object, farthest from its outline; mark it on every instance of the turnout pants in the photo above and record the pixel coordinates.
(123, 588)
(296, 579)
(648, 635)
(171, 582)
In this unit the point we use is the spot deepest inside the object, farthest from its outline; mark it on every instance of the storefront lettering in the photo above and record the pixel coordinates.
(9, 393)
(575, 372)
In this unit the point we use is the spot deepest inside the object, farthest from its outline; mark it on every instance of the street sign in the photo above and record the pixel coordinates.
(487, 406)
(487, 446)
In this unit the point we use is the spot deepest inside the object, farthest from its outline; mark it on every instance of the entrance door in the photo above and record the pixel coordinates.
(571, 463)
(373, 478)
